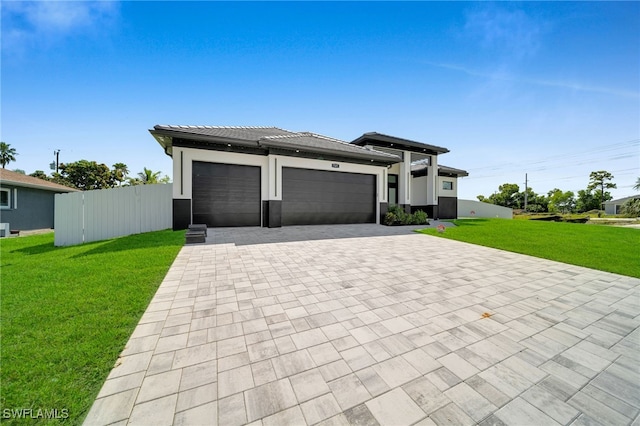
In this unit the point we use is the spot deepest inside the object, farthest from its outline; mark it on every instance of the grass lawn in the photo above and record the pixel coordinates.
(606, 248)
(67, 313)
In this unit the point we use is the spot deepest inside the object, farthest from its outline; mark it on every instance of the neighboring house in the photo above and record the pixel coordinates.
(614, 206)
(266, 176)
(26, 202)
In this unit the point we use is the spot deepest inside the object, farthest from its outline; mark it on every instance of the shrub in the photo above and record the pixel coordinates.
(420, 218)
(397, 216)
(631, 208)
(405, 218)
(390, 218)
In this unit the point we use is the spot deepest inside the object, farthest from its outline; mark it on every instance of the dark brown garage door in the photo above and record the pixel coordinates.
(226, 194)
(312, 197)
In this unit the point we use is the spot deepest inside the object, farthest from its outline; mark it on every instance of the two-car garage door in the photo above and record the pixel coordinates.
(229, 195)
(312, 197)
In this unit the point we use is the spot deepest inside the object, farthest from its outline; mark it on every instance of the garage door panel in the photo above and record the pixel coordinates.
(226, 194)
(328, 208)
(321, 197)
(225, 219)
(326, 218)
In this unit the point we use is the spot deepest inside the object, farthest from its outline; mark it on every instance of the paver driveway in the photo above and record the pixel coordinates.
(363, 324)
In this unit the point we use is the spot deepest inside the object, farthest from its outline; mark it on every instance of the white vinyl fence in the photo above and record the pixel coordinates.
(82, 217)
(470, 208)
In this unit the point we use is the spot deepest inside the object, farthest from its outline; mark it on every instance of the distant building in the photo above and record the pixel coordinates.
(614, 206)
(27, 202)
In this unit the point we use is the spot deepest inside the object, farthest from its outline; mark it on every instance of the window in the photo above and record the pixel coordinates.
(392, 189)
(447, 185)
(5, 198)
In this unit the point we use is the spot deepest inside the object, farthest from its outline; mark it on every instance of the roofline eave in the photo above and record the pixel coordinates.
(36, 186)
(269, 143)
(405, 143)
(196, 137)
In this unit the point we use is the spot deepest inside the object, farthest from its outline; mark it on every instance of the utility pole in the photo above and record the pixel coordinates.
(526, 182)
(57, 154)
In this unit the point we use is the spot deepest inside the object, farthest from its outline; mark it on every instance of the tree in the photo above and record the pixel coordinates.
(586, 201)
(22, 172)
(40, 175)
(85, 175)
(7, 154)
(148, 177)
(536, 203)
(507, 197)
(637, 185)
(561, 201)
(120, 172)
(631, 208)
(600, 181)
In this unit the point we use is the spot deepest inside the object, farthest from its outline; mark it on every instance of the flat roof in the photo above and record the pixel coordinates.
(419, 169)
(387, 141)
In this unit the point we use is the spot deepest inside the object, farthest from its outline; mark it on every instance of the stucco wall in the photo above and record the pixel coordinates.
(470, 208)
(31, 209)
(419, 191)
(271, 171)
(447, 192)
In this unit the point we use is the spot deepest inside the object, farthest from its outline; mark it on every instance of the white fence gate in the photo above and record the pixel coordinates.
(82, 217)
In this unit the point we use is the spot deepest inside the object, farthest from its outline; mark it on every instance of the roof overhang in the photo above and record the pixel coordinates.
(381, 140)
(451, 172)
(59, 189)
(421, 169)
(165, 139)
(298, 146)
(293, 144)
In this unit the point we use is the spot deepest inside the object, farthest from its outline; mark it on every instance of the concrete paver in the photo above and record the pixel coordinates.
(366, 324)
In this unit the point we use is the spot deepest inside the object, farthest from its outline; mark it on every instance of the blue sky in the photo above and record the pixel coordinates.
(549, 89)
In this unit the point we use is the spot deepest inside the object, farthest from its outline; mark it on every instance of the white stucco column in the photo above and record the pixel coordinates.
(404, 179)
(432, 181)
(275, 178)
(181, 174)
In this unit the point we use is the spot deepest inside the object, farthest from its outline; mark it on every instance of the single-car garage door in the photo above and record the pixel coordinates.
(312, 197)
(226, 194)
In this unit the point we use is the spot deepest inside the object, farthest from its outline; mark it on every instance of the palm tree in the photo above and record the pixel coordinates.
(637, 185)
(148, 177)
(120, 172)
(7, 154)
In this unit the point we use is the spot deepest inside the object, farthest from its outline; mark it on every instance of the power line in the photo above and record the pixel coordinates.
(592, 155)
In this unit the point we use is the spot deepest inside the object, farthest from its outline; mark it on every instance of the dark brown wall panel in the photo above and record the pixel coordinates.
(181, 214)
(448, 207)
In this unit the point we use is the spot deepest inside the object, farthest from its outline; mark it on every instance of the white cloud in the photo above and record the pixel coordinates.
(505, 76)
(512, 32)
(27, 23)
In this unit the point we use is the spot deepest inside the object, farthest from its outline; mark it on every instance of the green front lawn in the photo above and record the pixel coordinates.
(67, 313)
(605, 248)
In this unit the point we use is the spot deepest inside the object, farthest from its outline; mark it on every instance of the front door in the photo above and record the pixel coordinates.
(392, 189)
